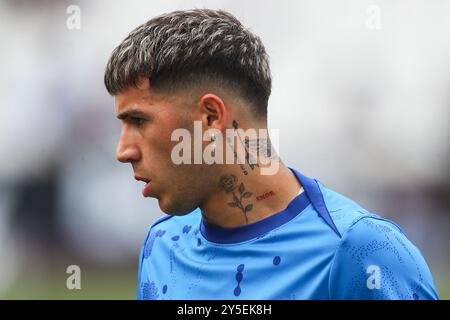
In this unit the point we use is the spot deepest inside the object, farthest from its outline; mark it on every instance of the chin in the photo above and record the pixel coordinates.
(175, 209)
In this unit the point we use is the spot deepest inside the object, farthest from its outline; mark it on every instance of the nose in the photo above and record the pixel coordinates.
(126, 150)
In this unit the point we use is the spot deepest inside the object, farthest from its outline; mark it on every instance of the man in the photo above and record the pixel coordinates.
(233, 231)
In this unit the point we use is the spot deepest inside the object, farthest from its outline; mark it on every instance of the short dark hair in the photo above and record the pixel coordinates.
(185, 48)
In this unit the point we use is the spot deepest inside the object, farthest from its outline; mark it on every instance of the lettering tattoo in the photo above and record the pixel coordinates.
(265, 195)
(229, 183)
(254, 148)
(249, 157)
(241, 165)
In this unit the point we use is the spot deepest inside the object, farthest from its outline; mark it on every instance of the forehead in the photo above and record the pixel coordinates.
(134, 96)
(140, 100)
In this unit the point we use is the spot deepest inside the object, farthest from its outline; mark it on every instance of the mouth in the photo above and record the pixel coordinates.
(146, 190)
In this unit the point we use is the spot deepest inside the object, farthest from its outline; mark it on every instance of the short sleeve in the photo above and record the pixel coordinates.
(375, 260)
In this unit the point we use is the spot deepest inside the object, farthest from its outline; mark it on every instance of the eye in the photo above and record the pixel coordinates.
(137, 121)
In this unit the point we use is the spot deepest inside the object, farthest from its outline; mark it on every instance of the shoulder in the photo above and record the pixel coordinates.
(361, 229)
(371, 234)
(376, 260)
(369, 247)
(344, 211)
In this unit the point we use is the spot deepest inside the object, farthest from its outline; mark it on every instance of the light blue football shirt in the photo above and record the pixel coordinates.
(322, 246)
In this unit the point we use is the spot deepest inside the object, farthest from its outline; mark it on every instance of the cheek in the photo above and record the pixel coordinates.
(158, 143)
(170, 124)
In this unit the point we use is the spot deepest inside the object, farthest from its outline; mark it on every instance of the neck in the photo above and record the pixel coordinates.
(240, 198)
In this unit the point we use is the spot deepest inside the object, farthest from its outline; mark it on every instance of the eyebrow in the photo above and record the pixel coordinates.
(130, 113)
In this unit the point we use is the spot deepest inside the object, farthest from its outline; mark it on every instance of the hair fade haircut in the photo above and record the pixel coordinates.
(193, 47)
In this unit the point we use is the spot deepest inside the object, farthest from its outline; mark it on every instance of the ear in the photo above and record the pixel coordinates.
(213, 112)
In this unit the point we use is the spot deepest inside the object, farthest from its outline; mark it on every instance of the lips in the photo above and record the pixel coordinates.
(146, 190)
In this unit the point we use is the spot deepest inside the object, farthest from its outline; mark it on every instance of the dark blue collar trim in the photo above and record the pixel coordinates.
(315, 195)
(312, 195)
(253, 230)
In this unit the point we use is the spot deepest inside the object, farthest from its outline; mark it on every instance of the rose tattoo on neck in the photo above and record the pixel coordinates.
(229, 183)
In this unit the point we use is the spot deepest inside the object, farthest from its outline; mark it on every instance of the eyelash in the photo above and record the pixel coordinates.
(137, 121)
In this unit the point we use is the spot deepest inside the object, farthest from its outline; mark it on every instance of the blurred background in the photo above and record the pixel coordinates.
(361, 95)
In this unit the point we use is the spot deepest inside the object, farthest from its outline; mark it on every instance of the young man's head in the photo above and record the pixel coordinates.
(185, 66)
